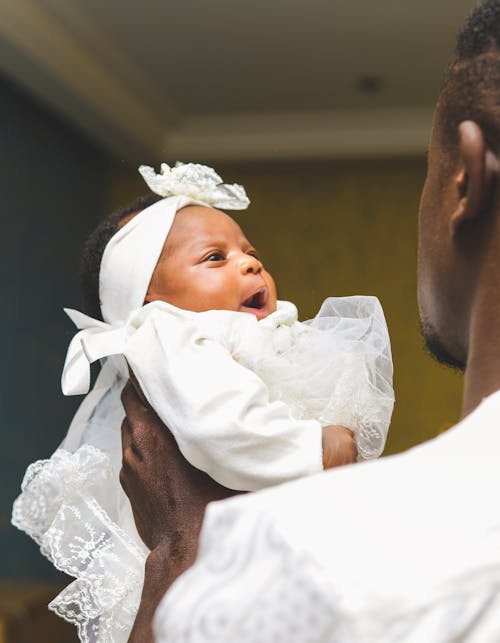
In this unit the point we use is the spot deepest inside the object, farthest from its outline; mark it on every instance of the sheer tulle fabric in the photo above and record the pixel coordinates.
(337, 368)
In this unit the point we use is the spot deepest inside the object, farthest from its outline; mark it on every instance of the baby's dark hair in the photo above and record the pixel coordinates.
(471, 89)
(93, 249)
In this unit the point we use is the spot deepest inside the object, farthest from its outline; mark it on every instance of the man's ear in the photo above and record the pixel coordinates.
(478, 172)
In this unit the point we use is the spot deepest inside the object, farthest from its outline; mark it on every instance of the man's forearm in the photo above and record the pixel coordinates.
(163, 566)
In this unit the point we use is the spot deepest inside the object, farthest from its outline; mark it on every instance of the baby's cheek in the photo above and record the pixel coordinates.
(218, 293)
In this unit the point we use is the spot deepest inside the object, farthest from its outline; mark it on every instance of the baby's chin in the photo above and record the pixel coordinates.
(260, 313)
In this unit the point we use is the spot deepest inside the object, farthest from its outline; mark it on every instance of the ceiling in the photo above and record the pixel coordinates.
(236, 79)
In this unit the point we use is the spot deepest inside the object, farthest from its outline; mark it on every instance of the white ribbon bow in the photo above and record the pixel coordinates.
(96, 339)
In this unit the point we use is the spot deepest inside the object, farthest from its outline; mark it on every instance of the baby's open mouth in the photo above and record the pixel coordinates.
(256, 301)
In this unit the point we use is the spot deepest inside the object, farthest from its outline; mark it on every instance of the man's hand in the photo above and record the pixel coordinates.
(168, 498)
(339, 447)
(167, 494)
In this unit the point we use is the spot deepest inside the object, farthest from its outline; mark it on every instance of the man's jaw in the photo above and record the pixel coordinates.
(436, 348)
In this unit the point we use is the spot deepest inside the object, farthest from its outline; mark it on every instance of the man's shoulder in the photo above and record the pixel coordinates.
(373, 546)
(426, 490)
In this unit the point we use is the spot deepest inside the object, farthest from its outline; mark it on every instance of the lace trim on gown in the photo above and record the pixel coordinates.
(59, 510)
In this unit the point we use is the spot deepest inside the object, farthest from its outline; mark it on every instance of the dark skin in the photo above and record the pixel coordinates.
(459, 258)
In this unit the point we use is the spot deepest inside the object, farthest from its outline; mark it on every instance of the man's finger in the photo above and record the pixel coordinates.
(126, 435)
(138, 390)
(131, 425)
(141, 416)
(127, 396)
(130, 397)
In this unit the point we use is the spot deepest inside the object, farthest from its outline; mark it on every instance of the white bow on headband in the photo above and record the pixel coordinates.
(196, 181)
(129, 260)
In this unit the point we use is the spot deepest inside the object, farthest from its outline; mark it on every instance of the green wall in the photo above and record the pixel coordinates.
(53, 186)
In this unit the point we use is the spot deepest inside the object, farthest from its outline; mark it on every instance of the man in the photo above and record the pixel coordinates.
(403, 549)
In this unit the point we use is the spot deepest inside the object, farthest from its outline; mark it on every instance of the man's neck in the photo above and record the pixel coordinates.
(482, 375)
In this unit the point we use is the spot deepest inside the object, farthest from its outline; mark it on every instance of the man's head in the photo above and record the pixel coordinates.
(459, 222)
(208, 263)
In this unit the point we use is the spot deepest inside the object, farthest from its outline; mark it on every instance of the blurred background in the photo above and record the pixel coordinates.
(321, 108)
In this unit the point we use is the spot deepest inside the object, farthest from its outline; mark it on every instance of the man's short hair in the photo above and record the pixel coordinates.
(93, 249)
(471, 89)
(480, 33)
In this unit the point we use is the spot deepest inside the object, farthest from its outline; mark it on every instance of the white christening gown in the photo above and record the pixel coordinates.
(245, 400)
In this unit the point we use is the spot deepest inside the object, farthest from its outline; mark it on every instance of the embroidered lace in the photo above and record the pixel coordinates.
(59, 510)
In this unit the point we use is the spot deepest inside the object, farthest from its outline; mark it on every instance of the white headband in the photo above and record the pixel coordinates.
(130, 258)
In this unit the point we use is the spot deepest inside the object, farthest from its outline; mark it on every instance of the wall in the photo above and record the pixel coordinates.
(53, 186)
(341, 229)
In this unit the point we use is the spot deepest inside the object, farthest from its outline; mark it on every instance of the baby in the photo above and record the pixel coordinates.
(208, 264)
(252, 396)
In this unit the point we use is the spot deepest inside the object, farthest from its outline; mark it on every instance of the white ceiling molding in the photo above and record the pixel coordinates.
(398, 132)
(55, 51)
(50, 49)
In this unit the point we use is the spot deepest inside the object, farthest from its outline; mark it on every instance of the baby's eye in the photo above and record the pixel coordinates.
(253, 253)
(215, 256)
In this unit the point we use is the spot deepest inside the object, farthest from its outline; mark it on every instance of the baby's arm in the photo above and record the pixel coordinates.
(219, 411)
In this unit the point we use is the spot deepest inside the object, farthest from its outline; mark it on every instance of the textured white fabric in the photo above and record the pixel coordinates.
(60, 511)
(73, 506)
(195, 181)
(405, 549)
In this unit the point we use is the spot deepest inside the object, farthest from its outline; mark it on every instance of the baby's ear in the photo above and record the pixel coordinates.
(477, 174)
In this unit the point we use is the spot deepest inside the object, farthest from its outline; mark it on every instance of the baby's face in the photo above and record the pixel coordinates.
(207, 263)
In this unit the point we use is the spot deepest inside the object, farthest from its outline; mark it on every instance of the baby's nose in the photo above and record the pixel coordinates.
(249, 263)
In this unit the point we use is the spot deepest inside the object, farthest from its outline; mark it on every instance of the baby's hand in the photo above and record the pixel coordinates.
(339, 446)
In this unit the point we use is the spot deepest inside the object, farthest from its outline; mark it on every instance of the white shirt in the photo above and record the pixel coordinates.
(404, 549)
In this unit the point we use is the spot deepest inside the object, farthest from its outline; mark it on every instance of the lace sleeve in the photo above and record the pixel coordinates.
(58, 508)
